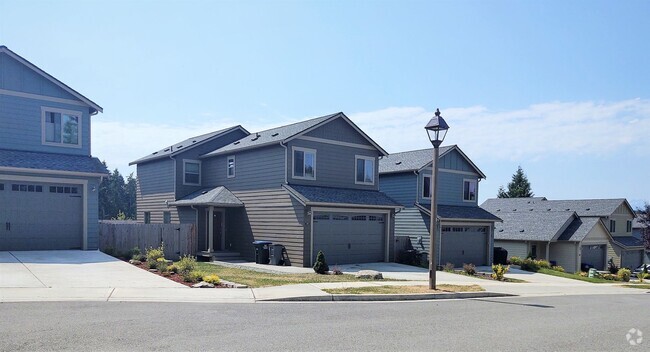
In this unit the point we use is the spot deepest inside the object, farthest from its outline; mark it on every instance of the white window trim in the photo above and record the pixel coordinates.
(234, 166)
(293, 163)
(45, 109)
(475, 190)
(374, 167)
(430, 186)
(185, 162)
(628, 226)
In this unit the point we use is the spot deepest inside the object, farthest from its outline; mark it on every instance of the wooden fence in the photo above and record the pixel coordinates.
(122, 236)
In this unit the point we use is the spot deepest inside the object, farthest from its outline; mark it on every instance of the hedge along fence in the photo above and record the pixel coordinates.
(122, 236)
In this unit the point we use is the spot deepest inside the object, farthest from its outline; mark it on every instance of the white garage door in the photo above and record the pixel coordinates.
(40, 216)
(348, 238)
(464, 245)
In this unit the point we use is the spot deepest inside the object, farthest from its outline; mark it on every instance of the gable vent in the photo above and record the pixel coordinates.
(275, 134)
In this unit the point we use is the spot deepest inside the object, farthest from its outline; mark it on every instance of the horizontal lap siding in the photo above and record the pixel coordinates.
(16, 76)
(401, 187)
(155, 185)
(413, 223)
(565, 254)
(514, 248)
(261, 168)
(270, 215)
(339, 130)
(155, 203)
(450, 188)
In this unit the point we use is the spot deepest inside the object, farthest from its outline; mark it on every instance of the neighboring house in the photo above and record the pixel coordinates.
(48, 178)
(309, 186)
(466, 229)
(569, 233)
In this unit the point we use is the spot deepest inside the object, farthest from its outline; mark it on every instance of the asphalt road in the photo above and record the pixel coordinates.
(568, 323)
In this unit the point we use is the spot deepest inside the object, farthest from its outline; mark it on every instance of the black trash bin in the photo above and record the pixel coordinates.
(500, 256)
(276, 252)
(262, 251)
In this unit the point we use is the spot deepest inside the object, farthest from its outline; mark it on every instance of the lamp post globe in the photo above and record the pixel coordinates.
(436, 130)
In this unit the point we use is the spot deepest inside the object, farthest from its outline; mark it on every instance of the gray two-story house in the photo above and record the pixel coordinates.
(309, 186)
(466, 230)
(48, 179)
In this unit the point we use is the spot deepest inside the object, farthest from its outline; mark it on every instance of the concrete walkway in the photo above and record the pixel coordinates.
(94, 276)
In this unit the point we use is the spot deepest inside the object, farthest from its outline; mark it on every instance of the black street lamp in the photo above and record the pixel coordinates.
(437, 130)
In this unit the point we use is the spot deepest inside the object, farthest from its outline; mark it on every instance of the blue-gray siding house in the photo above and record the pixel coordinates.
(466, 230)
(309, 186)
(48, 178)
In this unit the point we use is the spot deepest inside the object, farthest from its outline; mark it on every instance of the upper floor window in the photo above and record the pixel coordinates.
(612, 225)
(469, 190)
(61, 127)
(629, 226)
(147, 217)
(191, 172)
(230, 167)
(304, 163)
(365, 170)
(426, 187)
(167, 217)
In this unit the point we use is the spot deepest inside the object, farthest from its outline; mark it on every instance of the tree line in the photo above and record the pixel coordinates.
(117, 197)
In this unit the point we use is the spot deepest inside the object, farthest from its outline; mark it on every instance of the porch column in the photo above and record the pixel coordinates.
(548, 247)
(210, 228)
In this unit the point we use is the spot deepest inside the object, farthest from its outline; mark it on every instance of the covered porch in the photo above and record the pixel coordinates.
(212, 207)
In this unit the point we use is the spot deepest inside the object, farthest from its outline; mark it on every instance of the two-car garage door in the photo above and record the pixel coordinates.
(350, 237)
(40, 216)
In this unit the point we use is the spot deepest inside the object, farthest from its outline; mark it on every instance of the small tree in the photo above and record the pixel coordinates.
(320, 267)
(643, 216)
(519, 187)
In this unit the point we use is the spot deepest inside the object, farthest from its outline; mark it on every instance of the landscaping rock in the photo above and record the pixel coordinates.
(203, 284)
(153, 270)
(369, 274)
(135, 262)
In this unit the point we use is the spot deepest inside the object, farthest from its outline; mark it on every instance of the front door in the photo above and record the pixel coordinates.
(217, 230)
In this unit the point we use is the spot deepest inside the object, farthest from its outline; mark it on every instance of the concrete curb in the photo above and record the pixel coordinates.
(387, 298)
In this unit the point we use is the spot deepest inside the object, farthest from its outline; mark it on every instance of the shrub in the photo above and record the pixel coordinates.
(543, 264)
(611, 277)
(193, 276)
(212, 279)
(612, 268)
(469, 269)
(336, 270)
(172, 268)
(161, 265)
(153, 254)
(515, 260)
(186, 264)
(320, 267)
(583, 274)
(624, 274)
(449, 267)
(498, 271)
(529, 264)
(642, 276)
(557, 268)
(135, 253)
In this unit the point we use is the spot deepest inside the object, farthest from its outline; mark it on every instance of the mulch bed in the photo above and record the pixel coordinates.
(172, 276)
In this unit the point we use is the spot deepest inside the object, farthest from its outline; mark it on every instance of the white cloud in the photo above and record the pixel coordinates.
(584, 128)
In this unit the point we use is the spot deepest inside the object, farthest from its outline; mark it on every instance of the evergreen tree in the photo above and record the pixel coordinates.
(644, 218)
(519, 187)
(117, 197)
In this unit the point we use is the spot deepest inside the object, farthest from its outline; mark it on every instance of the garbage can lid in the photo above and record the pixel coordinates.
(262, 242)
(277, 245)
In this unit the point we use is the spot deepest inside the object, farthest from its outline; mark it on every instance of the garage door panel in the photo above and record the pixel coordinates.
(464, 245)
(349, 237)
(594, 255)
(41, 220)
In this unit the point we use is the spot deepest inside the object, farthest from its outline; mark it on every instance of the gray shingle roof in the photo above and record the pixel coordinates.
(579, 229)
(183, 145)
(409, 161)
(271, 136)
(459, 212)
(628, 241)
(583, 207)
(314, 194)
(218, 196)
(530, 226)
(49, 161)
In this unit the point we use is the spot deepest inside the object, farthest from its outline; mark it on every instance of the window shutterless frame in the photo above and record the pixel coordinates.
(426, 187)
(303, 160)
(470, 190)
(191, 170)
(72, 128)
(230, 166)
(367, 170)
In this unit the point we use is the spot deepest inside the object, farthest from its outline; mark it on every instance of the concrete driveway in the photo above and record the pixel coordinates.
(73, 269)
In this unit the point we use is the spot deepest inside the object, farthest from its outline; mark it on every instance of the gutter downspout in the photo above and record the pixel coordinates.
(286, 152)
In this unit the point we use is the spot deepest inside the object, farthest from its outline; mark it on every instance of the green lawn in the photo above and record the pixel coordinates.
(258, 279)
(594, 280)
(388, 290)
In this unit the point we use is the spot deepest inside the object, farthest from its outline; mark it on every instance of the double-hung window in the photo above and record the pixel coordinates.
(304, 163)
(365, 170)
(61, 127)
(469, 190)
(230, 167)
(426, 187)
(612, 226)
(629, 226)
(191, 172)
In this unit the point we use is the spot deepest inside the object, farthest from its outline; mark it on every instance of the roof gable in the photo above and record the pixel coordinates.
(416, 160)
(187, 144)
(284, 134)
(49, 86)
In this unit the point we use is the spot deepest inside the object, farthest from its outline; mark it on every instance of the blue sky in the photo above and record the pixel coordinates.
(560, 88)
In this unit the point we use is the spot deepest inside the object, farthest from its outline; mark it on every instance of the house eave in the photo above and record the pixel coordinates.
(52, 172)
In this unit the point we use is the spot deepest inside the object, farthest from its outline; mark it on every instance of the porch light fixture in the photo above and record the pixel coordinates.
(437, 130)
